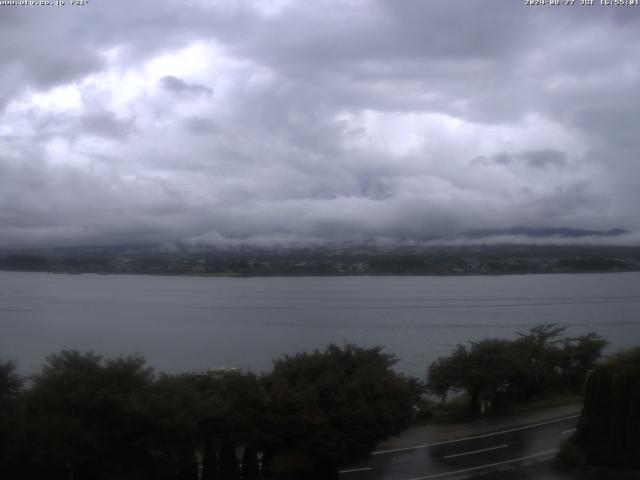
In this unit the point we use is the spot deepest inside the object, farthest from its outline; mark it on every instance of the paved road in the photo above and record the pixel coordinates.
(508, 450)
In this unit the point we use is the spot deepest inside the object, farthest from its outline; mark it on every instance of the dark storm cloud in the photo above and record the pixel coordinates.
(179, 86)
(544, 158)
(534, 158)
(330, 120)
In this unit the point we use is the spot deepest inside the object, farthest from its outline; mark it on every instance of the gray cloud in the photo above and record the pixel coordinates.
(337, 120)
(179, 86)
(532, 158)
(545, 158)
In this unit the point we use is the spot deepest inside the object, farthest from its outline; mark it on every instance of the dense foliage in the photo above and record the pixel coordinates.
(337, 404)
(10, 389)
(497, 372)
(89, 418)
(608, 429)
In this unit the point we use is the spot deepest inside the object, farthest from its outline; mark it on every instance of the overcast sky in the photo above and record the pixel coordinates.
(271, 121)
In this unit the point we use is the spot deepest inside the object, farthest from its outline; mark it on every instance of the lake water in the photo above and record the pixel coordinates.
(193, 323)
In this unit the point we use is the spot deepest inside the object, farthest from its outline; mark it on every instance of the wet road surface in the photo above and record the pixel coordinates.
(518, 452)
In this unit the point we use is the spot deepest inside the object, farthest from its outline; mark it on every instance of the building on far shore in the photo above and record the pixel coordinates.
(222, 372)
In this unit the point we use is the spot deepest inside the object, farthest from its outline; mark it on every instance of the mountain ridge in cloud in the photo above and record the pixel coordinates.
(547, 232)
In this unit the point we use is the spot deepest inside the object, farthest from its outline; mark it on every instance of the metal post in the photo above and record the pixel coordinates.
(200, 460)
(239, 454)
(260, 454)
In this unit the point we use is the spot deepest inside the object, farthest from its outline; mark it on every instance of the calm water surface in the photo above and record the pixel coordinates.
(192, 323)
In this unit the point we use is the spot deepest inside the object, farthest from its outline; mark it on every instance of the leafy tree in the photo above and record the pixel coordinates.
(610, 420)
(173, 435)
(89, 417)
(496, 372)
(10, 419)
(445, 374)
(86, 417)
(330, 406)
(541, 347)
(580, 356)
(210, 414)
(10, 384)
(486, 370)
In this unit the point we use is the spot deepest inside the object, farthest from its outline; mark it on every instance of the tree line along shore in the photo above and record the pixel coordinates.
(83, 416)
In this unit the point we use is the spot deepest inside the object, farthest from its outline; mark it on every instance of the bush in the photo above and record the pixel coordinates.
(610, 421)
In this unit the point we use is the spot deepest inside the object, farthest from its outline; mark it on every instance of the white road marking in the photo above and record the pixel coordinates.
(564, 432)
(475, 437)
(476, 451)
(354, 470)
(489, 465)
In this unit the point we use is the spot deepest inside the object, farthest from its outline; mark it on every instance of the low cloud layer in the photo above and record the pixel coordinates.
(280, 121)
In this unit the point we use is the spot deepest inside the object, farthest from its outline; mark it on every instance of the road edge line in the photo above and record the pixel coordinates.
(474, 437)
(489, 465)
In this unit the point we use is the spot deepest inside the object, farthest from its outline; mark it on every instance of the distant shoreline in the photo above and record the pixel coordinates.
(333, 262)
(314, 275)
